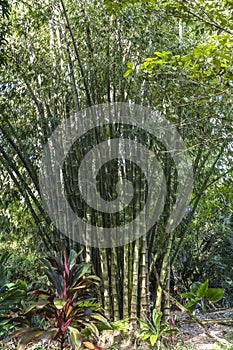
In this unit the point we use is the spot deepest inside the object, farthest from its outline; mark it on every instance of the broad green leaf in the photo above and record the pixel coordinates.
(162, 54)
(156, 318)
(121, 325)
(146, 335)
(30, 308)
(94, 330)
(202, 289)
(19, 333)
(153, 339)
(41, 303)
(144, 324)
(214, 294)
(103, 327)
(187, 295)
(4, 322)
(194, 287)
(192, 304)
(10, 285)
(22, 284)
(94, 278)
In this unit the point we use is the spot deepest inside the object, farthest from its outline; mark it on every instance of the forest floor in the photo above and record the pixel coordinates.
(220, 327)
(189, 337)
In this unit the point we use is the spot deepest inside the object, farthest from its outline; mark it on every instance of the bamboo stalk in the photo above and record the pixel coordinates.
(163, 273)
(105, 282)
(114, 276)
(77, 55)
(144, 305)
(126, 282)
(134, 299)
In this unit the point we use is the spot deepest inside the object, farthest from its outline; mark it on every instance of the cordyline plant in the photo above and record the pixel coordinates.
(69, 305)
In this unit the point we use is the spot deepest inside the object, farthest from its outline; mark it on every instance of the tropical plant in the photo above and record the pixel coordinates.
(153, 329)
(69, 305)
(3, 259)
(199, 292)
(121, 325)
(13, 297)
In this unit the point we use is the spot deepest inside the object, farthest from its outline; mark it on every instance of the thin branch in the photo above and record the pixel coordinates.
(75, 90)
(77, 54)
(23, 182)
(21, 154)
(220, 177)
(196, 201)
(207, 21)
(24, 195)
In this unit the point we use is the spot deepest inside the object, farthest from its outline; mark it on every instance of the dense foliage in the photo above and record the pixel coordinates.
(64, 310)
(175, 56)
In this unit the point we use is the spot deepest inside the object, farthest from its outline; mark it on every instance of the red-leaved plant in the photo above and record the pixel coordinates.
(69, 305)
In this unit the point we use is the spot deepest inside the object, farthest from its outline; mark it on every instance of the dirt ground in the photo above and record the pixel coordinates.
(190, 335)
(222, 330)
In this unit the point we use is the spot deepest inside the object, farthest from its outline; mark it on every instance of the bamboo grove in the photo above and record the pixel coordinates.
(61, 57)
